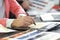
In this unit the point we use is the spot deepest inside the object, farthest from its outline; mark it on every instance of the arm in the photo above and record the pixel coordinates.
(3, 21)
(6, 22)
(16, 8)
(26, 4)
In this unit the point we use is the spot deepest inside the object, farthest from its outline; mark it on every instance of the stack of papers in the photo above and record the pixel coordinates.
(36, 35)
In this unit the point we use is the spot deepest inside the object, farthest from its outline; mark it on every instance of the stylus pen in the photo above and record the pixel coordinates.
(33, 21)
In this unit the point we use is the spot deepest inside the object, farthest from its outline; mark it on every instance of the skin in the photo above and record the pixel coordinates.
(22, 22)
(25, 5)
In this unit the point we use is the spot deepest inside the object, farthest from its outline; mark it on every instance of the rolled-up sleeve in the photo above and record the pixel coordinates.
(9, 22)
(16, 8)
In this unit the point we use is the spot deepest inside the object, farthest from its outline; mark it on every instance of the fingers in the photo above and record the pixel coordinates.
(26, 21)
(25, 5)
(27, 24)
(23, 22)
(29, 19)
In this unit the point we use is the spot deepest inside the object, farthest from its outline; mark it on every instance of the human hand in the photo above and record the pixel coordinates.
(24, 21)
(25, 5)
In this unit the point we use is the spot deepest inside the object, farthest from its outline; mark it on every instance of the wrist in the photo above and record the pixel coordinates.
(12, 24)
(9, 22)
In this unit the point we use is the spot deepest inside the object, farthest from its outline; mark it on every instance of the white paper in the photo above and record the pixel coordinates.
(50, 36)
(38, 11)
(49, 17)
(5, 30)
(13, 39)
(46, 17)
(40, 25)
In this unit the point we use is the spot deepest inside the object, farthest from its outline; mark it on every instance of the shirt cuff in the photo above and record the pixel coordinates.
(20, 15)
(9, 22)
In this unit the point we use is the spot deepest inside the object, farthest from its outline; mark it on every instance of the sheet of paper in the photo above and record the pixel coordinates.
(40, 36)
(50, 36)
(50, 16)
(39, 24)
(40, 6)
(5, 30)
(46, 17)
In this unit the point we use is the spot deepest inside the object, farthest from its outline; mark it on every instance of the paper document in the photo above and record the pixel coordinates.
(50, 17)
(5, 30)
(50, 36)
(40, 6)
(39, 25)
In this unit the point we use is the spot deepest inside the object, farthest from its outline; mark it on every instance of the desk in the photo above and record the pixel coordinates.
(8, 35)
(14, 34)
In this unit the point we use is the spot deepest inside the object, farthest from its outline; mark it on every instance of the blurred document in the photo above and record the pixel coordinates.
(50, 36)
(50, 17)
(38, 7)
(5, 30)
(39, 24)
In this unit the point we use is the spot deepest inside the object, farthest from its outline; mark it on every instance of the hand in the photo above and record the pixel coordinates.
(25, 5)
(24, 21)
